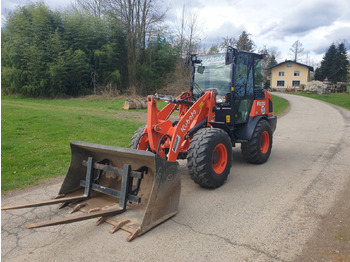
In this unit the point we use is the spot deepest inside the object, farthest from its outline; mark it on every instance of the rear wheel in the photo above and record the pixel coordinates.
(258, 149)
(209, 157)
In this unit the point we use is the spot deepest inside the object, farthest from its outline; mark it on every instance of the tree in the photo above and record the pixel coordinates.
(76, 63)
(342, 63)
(296, 49)
(270, 59)
(180, 37)
(213, 50)
(244, 43)
(187, 33)
(334, 64)
(139, 18)
(47, 53)
(194, 31)
(95, 7)
(157, 62)
(26, 49)
(227, 41)
(327, 64)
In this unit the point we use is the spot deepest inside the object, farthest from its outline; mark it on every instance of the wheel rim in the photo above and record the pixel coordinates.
(143, 143)
(265, 142)
(219, 158)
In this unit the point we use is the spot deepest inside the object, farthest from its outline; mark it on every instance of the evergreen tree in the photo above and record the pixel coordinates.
(244, 43)
(342, 63)
(334, 64)
(26, 49)
(47, 53)
(213, 50)
(326, 70)
(156, 63)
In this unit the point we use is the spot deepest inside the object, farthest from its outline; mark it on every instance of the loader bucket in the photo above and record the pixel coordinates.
(130, 189)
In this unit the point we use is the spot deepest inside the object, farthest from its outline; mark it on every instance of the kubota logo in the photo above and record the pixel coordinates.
(188, 121)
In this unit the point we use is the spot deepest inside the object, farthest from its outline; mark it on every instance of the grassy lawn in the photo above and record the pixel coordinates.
(339, 99)
(279, 104)
(35, 133)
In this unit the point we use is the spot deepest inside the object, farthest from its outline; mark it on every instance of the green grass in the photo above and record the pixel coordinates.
(35, 135)
(279, 104)
(339, 99)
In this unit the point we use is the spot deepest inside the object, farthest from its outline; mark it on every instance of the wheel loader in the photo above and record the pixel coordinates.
(137, 188)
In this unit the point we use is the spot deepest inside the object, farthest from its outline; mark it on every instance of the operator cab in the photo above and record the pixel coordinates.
(213, 74)
(236, 78)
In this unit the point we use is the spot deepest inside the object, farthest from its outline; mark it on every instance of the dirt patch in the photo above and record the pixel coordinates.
(331, 241)
(130, 115)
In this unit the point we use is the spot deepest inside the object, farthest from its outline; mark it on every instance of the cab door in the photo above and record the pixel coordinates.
(243, 87)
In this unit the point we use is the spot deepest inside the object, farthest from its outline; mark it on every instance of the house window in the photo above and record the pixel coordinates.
(280, 73)
(296, 73)
(289, 65)
(296, 83)
(280, 83)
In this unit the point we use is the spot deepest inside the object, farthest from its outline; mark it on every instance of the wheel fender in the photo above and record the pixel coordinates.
(225, 127)
(245, 132)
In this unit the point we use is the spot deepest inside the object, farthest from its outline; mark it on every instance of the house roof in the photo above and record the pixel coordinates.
(291, 61)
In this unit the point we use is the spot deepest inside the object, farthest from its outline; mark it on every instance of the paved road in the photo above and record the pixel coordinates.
(262, 213)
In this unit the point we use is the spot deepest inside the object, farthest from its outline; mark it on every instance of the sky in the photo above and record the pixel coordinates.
(271, 23)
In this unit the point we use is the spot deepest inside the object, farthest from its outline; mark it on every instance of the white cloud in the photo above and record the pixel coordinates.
(315, 23)
(279, 23)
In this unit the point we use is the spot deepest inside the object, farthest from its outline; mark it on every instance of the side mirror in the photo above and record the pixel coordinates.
(201, 69)
(188, 60)
(230, 55)
(191, 60)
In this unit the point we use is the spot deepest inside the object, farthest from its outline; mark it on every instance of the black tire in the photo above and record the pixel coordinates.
(209, 157)
(258, 149)
(135, 140)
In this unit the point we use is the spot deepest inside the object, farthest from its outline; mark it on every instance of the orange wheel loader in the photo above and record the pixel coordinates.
(135, 189)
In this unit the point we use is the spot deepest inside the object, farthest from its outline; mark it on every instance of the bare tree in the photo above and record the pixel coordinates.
(243, 42)
(188, 33)
(271, 55)
(180, 37)
(140, 17)
(227, 41)
(194, 32)
(95, 7)
(296, 49)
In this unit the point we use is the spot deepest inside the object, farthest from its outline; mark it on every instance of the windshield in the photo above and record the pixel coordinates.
(212, 74)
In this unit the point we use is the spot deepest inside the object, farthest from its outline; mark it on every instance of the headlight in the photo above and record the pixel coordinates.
(220, 99)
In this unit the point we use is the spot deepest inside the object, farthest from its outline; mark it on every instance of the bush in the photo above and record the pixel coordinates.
(316, 87)
(46, 53)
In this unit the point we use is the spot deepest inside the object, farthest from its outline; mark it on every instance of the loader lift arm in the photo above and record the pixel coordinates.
(169, 139)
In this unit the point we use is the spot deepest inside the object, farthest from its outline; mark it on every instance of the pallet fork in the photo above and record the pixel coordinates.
(130, 189)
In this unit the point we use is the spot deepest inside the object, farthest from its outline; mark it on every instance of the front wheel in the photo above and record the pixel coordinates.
(209, 157)
(140, 139)
(258, 149)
